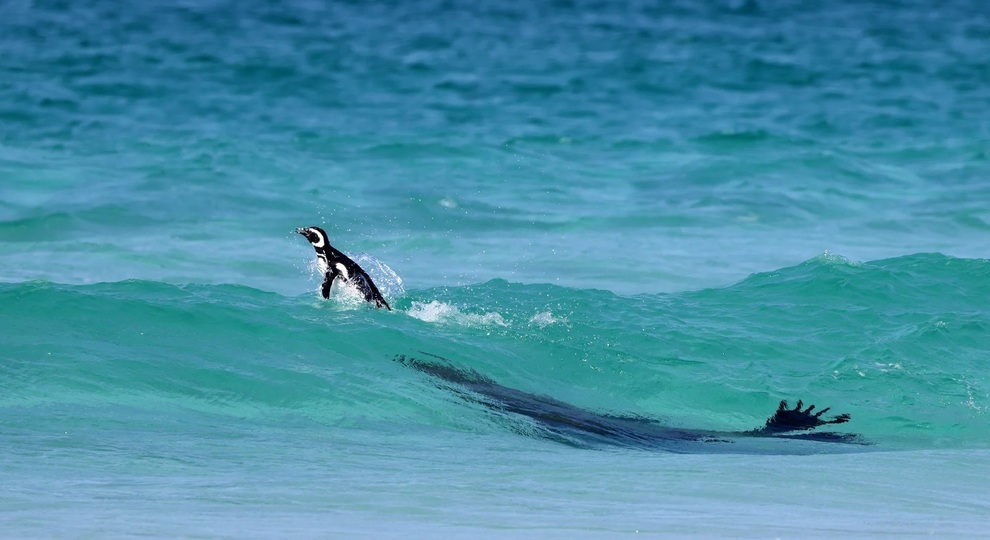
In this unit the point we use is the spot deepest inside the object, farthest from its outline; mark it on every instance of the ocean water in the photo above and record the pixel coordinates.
(678, 211)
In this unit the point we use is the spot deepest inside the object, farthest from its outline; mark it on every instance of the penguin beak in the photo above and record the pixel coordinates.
(301, 231)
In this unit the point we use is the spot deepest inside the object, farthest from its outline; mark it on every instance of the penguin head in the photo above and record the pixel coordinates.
(315, 235)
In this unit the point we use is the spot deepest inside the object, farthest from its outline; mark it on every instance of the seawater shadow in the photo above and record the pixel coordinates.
(787, 431)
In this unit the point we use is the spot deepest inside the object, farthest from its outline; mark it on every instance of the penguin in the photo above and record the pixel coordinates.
(334, 263)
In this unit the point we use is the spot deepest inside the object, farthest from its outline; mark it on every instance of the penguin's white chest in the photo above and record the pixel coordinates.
(322, 264)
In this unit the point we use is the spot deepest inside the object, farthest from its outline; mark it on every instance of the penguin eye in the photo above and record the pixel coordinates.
(316, 238)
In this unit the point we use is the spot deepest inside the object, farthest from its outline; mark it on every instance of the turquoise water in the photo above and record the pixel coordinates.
(684, 212)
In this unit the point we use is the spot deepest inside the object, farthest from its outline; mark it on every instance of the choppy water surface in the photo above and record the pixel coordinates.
(684, 212)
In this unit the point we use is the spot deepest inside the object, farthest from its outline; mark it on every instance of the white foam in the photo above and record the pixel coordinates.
(544, 319)
(443, 313)
(347, 294)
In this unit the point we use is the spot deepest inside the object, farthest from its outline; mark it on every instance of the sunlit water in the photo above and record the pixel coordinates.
(686, 212)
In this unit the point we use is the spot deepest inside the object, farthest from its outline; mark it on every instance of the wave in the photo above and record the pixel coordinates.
(898, 343)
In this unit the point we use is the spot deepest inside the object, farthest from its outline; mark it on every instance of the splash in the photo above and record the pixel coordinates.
(441, 312)
(544, 319)
(388, 281)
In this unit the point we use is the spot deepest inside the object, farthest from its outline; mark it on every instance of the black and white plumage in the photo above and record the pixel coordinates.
(333, 263)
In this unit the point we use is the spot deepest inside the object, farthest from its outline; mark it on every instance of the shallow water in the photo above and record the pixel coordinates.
(685, 213)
